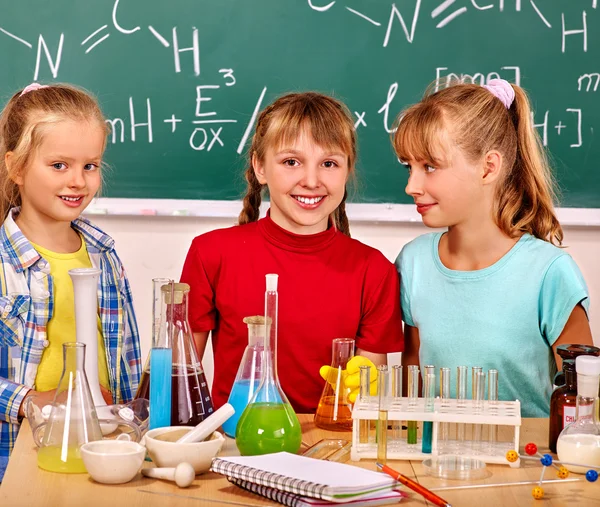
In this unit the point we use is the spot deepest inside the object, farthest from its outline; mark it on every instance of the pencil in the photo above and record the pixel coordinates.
(422, 490)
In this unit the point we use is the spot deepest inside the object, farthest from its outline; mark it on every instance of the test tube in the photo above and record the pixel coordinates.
(493, 399)
(365, 394)
(382, 420)
(427, 425)
(461, 396)
(396, 395)
(474, 371)
(444, 395)
(413, 394)
(479, 388)
(429, 395)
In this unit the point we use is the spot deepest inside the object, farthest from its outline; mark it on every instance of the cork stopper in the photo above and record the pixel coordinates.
(256, 328)
(179, 289)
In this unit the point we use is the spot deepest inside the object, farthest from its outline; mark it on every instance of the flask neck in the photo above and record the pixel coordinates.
(271, 312)
(570, 377)
(179, 310)
(587, 392)
(342, 352)
(585, 408)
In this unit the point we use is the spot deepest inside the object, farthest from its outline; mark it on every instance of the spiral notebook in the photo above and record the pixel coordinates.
(293, 500)
(326, 480)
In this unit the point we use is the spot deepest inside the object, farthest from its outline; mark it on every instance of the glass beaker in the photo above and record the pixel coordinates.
(579, 442)
(269, 423)
(334, 411)
(73, 420)
(249, 372)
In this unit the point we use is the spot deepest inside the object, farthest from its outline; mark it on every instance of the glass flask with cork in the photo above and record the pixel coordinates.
(249, 372)
(269, 423)
(190, 400)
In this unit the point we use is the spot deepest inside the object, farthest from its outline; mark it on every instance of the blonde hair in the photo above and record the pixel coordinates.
(478, 122)
(327, 120)
(23, 123)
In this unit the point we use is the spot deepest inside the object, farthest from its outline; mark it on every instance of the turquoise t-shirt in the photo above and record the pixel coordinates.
(505, 316)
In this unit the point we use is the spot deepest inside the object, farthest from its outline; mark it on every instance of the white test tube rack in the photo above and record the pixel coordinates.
(484, 412)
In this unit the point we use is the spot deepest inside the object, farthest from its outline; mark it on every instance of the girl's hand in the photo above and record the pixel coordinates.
(107, 395)
(43, 398)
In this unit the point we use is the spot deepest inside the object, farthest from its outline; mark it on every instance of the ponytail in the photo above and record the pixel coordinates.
(525, 199)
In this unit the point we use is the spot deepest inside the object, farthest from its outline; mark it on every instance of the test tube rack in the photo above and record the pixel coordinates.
(470, 412)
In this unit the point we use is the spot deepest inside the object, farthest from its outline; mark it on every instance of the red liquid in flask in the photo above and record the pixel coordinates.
(190, 397)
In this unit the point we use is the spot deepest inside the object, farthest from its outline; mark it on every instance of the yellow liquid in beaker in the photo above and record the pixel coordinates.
(49, 458)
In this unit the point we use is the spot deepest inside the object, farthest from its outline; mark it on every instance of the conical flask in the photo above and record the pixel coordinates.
(269, 423)
(73, 420)
(191, 402)
(249, 373)
(334, 411)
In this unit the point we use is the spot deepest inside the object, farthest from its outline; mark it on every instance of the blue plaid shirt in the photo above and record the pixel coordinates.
(26, 306)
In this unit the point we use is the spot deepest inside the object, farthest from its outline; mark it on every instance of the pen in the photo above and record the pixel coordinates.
(422, 490)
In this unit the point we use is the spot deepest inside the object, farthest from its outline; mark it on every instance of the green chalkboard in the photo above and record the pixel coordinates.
(178, 62)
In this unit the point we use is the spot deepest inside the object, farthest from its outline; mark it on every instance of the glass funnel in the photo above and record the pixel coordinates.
(334, 411)
(249, 373)
(73, 420)
(579, 442)
(269, 423)
(175, 368)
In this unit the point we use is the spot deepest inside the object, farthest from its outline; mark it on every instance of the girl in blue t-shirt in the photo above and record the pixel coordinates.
(493, 290)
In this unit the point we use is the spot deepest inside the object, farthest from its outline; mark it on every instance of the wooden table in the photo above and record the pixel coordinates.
(27, 485)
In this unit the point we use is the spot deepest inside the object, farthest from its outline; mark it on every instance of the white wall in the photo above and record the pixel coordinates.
(155, 246)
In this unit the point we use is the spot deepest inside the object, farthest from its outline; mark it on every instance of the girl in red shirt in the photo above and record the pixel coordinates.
(330, 286)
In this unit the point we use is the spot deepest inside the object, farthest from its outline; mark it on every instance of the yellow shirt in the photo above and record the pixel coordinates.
(61, 327)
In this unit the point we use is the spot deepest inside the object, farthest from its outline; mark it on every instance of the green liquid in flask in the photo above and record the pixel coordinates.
(268, 427)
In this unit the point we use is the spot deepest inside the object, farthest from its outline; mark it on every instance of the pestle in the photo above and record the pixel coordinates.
(206, 427)
(183, 474)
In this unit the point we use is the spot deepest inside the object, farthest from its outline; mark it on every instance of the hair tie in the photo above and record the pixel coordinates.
(501, 89)
(32, 87)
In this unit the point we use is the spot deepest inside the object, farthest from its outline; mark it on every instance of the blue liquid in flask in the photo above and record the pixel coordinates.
(241, 393)
(161, 364)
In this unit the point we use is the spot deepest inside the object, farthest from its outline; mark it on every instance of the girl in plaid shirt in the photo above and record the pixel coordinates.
(52, 139)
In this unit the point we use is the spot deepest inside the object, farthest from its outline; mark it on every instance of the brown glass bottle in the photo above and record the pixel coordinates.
(563, 403)
(564, 399)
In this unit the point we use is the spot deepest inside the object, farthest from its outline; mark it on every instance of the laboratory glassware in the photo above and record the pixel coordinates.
(564, 398)
(269, 423)
(579, 442)
(73, 420)
(334, 411)
(249, 372)
(183, 376)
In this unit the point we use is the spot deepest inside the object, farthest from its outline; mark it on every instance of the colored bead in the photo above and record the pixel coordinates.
(512, 456)
(537, 492)
(546, 460)
(591, 475)
(531, 448)
(563, 473)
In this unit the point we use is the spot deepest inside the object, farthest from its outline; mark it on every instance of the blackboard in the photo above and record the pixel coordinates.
(198, 70)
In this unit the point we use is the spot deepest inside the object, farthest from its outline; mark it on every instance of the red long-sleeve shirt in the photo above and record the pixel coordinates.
(330, 286)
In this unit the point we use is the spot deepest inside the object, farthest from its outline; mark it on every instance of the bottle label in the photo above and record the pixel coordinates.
(568, 415)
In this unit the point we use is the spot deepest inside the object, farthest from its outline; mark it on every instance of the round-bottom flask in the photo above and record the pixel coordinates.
(579, 442)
